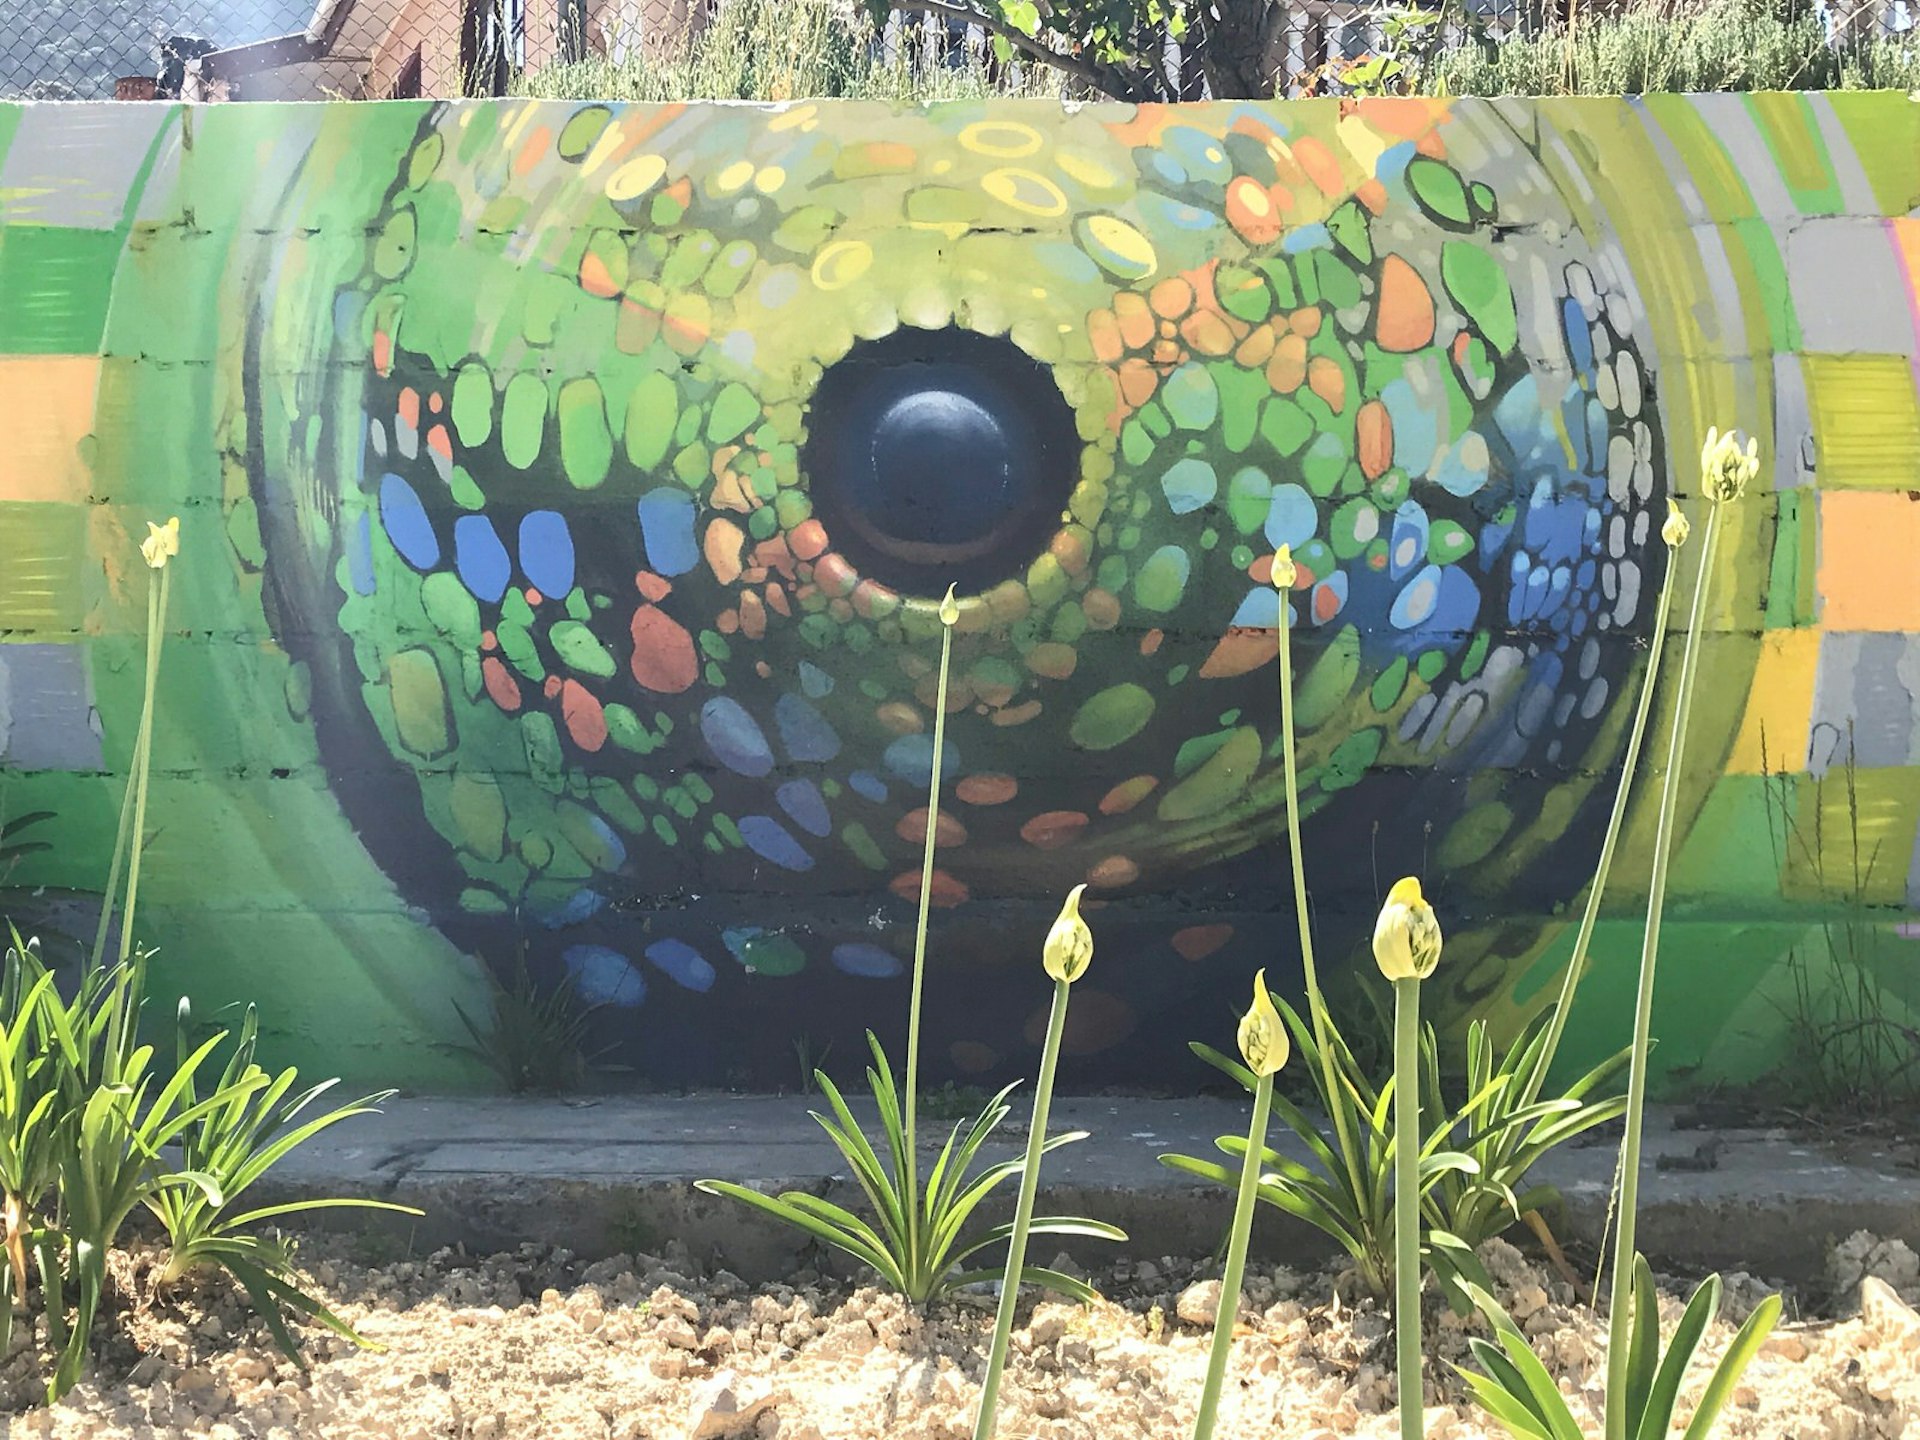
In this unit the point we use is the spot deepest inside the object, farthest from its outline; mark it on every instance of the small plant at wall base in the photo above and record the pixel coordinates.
(1493, 1135)
(234, 1145)
(92, 1128)
(1851, 1051)
(1355, 1213)
(535, 1040)
(915, 1243)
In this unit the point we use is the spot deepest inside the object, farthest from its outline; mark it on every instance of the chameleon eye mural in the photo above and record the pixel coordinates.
(568, 491)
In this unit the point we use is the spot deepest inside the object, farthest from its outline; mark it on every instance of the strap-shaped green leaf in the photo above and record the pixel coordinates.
(1514, 1417)
(1506, 1375)
(1657, 1418)
(1548, 1403)
(1745, 1345)
(1040, 1275)
(1643, 1344)
(1041, 1225)
(781, 1208)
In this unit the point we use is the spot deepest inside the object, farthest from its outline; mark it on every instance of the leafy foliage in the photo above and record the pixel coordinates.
(108, 1116)
(1506, 1136)
(1652, 48)
(918, 1246)
(1515, 1389)
(536, 1039)
(1476, 1151)
(92, 1128)
(234, 1145)
(760, 50)
(1343, 1192)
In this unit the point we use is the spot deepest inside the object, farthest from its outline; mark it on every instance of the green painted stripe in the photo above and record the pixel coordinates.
(58, 279)
(57, 282)
(42, 569)
(1770, 275)
(1792, 133)
(136, 191)
(1762, 279)
(1790, 577)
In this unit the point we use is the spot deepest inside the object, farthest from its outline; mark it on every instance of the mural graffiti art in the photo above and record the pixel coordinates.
(568, 490)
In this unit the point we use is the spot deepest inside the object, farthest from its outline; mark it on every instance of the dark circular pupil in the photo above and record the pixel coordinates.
(939, 457)
(943, 469)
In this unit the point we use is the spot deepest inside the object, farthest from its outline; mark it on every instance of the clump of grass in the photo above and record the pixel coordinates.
(1659, 46)
(1854, 1050)
(767, 51)
(535, 1040)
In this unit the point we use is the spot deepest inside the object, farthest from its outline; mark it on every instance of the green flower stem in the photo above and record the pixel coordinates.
(911, 1180)
(1022, 1215)
(1406, 1204)
(1619, 1331)
(1316, 1002)
(134, 835)
(1228, 1310)
(1616, 821)
(112, 893)
(137, 762)
(156, 619)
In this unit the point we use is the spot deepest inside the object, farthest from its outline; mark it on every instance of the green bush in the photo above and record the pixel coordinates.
(1653, 47)
(761, 50)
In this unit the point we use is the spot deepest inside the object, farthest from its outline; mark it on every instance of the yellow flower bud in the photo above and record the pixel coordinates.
(1676, 530)
(1263, 1037)
(1726, 469)
(1285, 572)
(1406, 937)
(1069, 943)
(162, 543)
(949, 608)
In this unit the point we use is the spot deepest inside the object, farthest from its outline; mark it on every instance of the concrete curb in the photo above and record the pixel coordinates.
(602, 1175)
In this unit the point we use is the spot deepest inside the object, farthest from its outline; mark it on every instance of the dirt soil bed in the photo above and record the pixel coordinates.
(533, 1344)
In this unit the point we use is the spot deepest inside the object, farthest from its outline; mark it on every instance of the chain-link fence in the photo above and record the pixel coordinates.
(306, 49)
(380, 49)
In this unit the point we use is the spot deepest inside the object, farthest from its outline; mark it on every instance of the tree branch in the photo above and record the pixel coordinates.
(1106, 79)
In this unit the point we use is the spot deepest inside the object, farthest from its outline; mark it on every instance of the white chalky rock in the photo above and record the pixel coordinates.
(1199, 1302)
(1883, 1310)
(720, 1413)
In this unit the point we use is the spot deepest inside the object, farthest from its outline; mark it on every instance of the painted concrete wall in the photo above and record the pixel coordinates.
(566, 492)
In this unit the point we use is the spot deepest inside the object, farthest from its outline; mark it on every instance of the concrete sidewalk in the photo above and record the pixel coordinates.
(602, 1174)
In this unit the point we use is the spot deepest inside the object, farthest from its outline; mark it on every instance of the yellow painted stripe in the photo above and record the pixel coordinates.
(1773, 732)
(43, 569)
(1866, 421)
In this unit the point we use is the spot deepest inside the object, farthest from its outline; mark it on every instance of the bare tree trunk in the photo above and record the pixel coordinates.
(1242, 47)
